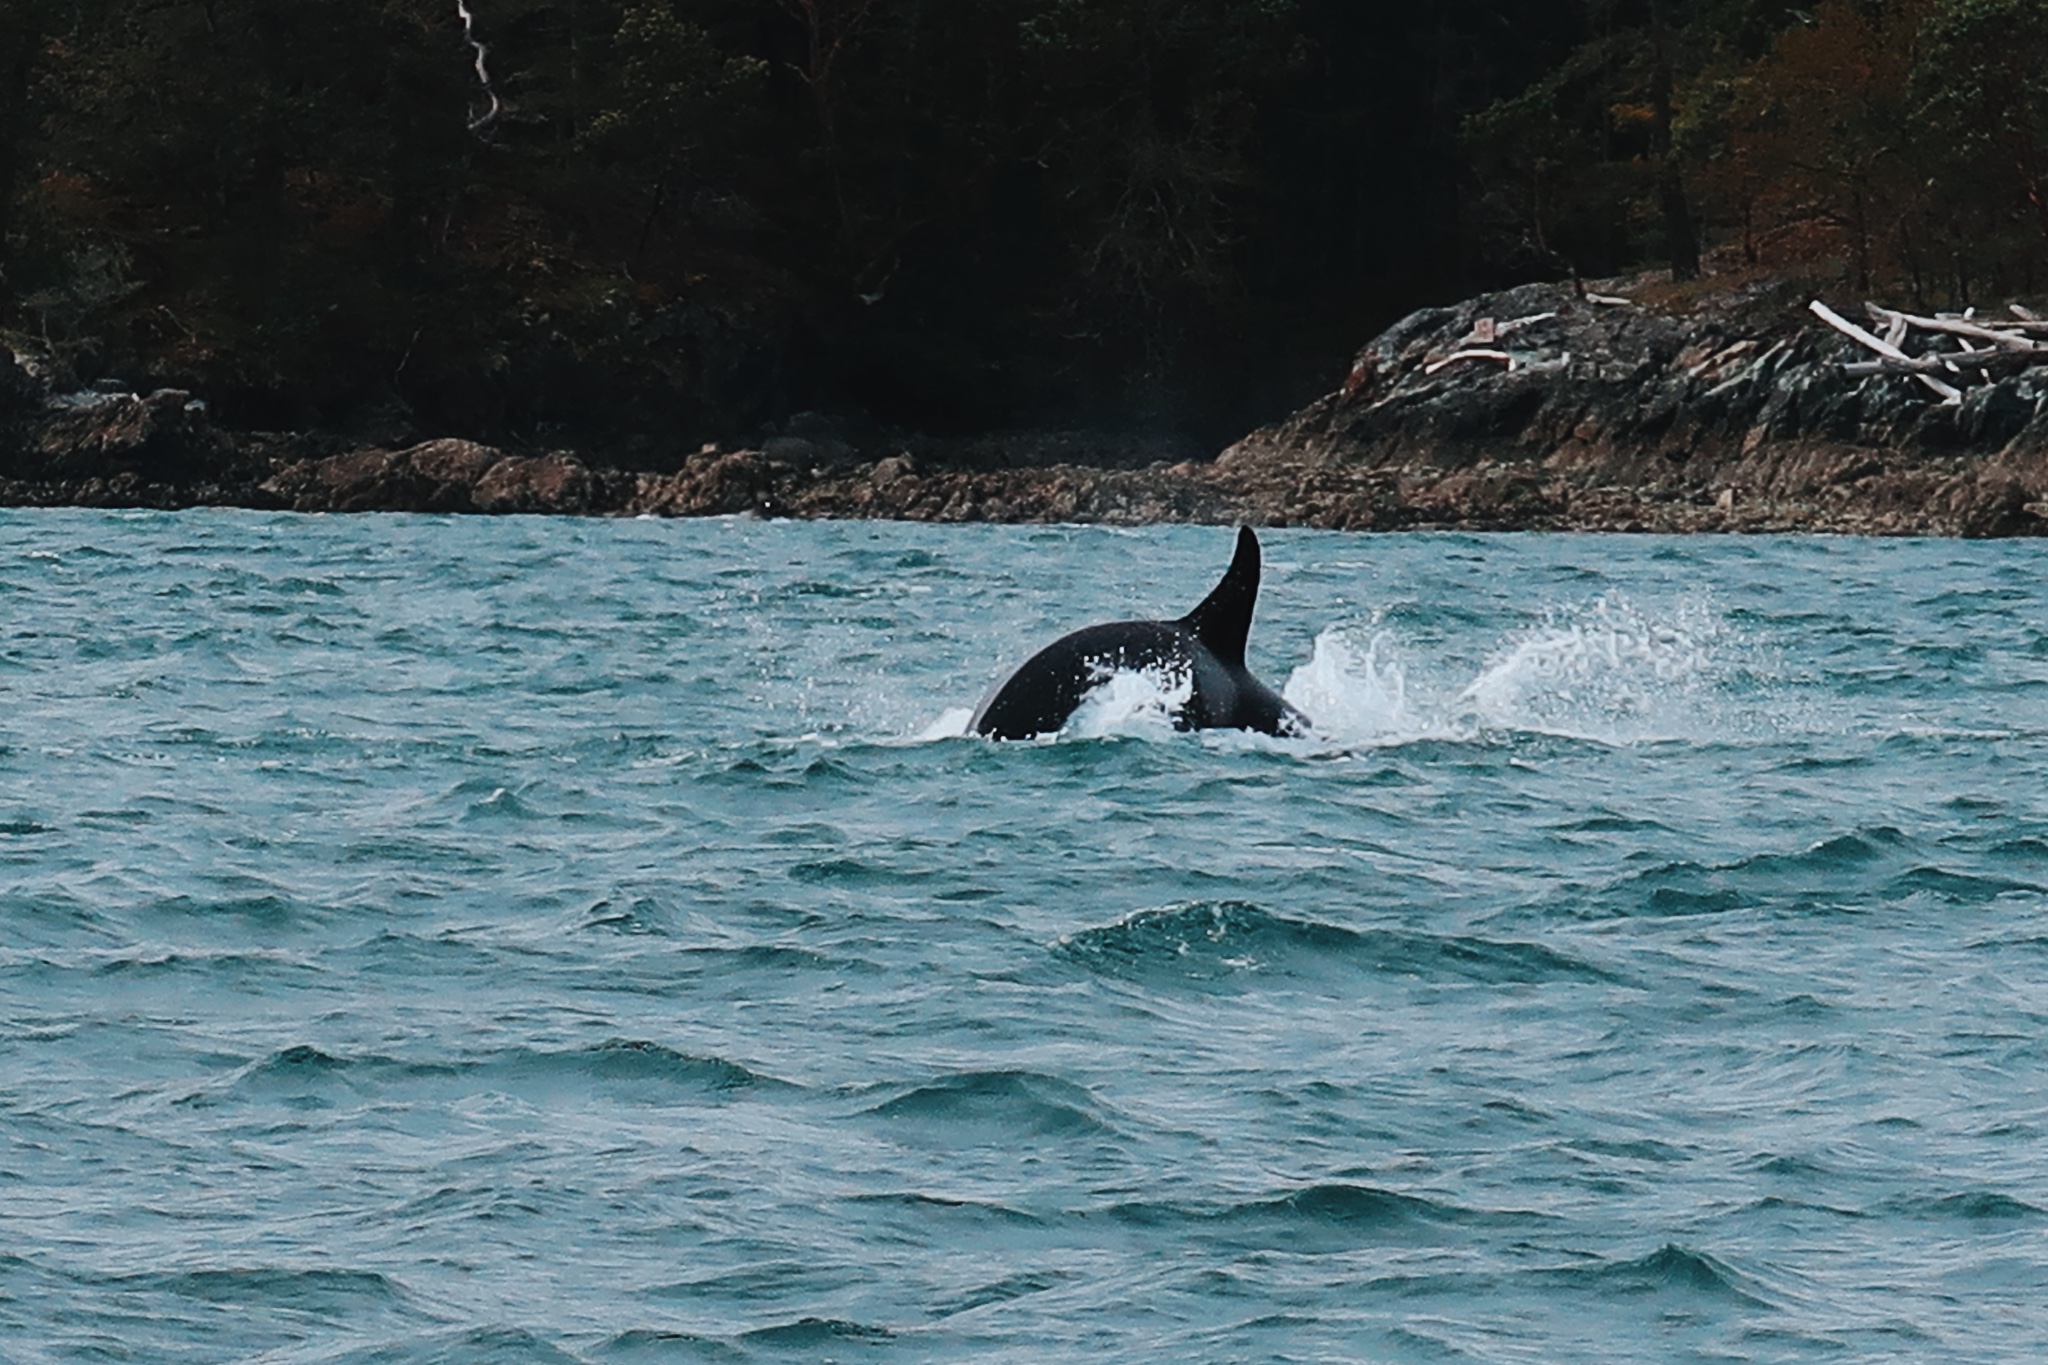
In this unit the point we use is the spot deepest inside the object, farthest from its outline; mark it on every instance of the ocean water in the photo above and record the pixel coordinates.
(527, 940)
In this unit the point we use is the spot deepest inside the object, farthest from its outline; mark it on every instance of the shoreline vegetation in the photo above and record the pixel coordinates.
(1628, 405)
(1090, 260)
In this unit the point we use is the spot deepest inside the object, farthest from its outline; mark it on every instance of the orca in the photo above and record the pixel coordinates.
(1206, 647)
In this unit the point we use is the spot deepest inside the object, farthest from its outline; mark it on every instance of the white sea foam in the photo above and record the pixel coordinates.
(1131, 702)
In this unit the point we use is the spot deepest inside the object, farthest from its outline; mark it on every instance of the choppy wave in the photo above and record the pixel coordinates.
(640, 1071)
(1322, 1218)
(1237, 946)
(434, 939)
(1006, 1105)
(1670, 1270)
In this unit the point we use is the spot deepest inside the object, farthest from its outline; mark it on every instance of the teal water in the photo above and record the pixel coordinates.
(550, 940)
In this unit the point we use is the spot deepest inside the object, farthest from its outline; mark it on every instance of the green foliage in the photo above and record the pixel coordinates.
(1148, 116)
(949, 211)
(673, 87)
(1982, 79)
(1545, 163)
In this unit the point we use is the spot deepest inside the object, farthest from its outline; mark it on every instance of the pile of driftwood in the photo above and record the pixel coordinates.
(1958, 347)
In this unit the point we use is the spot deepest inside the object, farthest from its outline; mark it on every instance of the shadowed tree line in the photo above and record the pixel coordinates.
(676, 220)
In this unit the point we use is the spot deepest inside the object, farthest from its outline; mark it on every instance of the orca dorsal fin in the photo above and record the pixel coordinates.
(1223, 621)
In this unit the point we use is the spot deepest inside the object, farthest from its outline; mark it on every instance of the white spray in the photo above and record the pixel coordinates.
(1139, 701)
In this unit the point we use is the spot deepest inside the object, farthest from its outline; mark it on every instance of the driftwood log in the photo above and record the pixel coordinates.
(1959, 348)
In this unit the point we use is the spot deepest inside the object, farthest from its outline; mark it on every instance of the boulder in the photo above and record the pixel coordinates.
(535, 483)
(164, 437)
(710, 483)
(436, 476)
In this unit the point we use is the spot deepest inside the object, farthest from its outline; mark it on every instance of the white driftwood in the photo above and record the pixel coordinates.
(1470, 353)
(1955, 327)
(1517, 324)
(2023, 322)
(1610, 300)
(1923, 364)
(1949, 392)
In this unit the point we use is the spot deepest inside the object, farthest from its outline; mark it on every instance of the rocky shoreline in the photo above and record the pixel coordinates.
(1538, 408)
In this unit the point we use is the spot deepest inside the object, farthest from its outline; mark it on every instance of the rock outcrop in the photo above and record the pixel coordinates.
(439, 476)
(108, 445)
(1538, 407)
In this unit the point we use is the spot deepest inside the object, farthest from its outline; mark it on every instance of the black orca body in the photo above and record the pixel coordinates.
(1206, 646)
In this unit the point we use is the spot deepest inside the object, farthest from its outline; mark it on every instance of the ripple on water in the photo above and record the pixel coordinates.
(519, 940)
(336, 1295)
(637, 1068)
(1231, 945)
(663, 1346)
(1324, 1218)
(817, 1334)
(494, 1345)
(1846, 873)
(1969, 1206)
(620, 1070)
(997, 1106)
(1671, 1270)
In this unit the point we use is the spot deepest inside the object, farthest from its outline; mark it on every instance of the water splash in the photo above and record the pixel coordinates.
(1354, 693)
(1605, 671)
(1122, 703)
(1142, 701)
(951, 724)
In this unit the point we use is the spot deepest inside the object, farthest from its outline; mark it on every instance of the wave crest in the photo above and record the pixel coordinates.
(1227, 944)
(1008, 1103)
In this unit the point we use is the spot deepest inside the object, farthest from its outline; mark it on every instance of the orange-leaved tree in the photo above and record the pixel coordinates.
(1819, 158)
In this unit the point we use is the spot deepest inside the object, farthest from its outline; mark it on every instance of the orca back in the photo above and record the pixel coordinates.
(1207, 644)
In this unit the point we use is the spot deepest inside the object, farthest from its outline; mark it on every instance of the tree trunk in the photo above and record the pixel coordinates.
(2028, 165)
(21, 41)
(1681, 236)
(1678, 224)
(831, 26)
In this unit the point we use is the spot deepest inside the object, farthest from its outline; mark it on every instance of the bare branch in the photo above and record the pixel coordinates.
(478, 123)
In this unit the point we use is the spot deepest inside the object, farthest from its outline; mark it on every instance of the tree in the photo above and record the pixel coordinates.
(21, 45)
(1594, 161)
(1982, 77)
(672, 85)
(1820, 158)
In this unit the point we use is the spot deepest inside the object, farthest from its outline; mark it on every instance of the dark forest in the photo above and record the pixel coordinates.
(635, 226)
